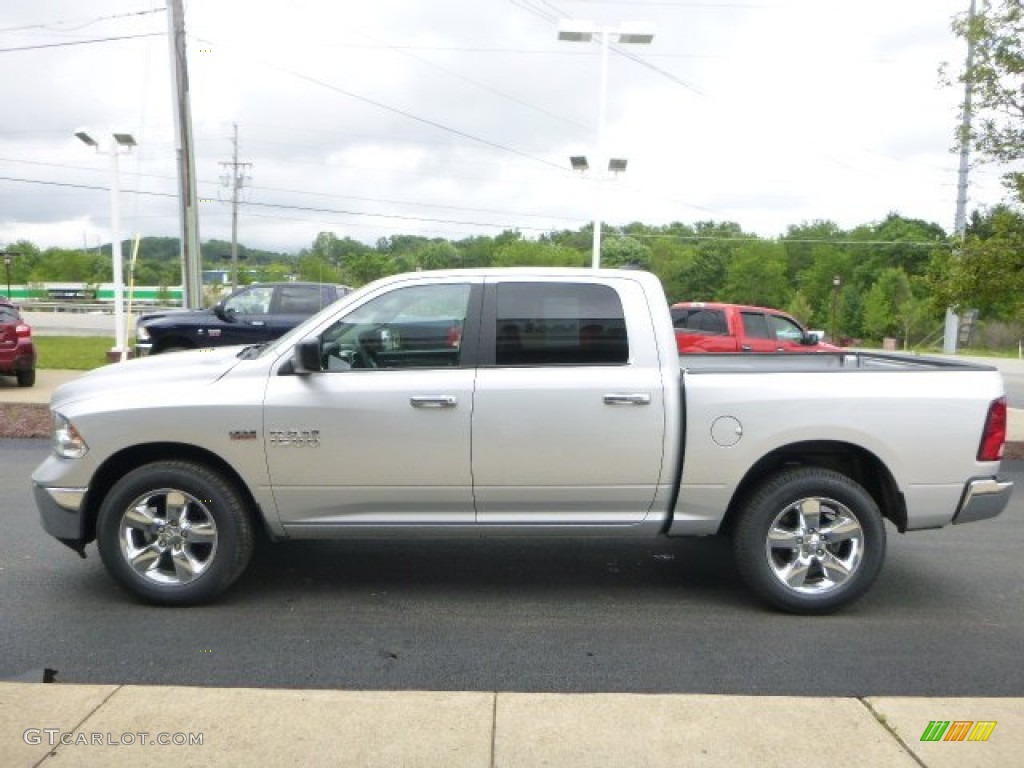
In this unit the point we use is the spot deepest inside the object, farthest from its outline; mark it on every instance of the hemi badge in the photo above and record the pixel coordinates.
(242, 434)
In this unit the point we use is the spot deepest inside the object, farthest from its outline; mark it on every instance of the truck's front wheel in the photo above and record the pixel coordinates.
(809, 541)
(174, 532)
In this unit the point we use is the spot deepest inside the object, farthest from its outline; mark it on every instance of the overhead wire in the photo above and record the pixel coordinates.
(69, 43)
(82, 23)
(407, 114)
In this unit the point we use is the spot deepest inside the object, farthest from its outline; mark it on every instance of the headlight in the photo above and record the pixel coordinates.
(142, 333)
(67, 443)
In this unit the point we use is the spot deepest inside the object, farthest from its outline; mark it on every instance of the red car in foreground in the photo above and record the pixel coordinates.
(17, 353)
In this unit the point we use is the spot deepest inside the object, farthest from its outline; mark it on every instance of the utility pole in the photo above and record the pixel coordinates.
(952, 328)
(191, 258)
(235, 179)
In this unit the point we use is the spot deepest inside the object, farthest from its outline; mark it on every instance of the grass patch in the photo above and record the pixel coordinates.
(73, 353)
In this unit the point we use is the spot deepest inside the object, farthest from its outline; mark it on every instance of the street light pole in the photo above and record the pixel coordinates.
(602, 120)
(119, 142)
(837, 281)
(583, 32)
(7, 268)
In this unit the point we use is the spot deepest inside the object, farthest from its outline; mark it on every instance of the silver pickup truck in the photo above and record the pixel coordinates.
(525, 403)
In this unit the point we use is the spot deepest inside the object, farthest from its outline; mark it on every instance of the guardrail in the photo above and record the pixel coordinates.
(90, 307)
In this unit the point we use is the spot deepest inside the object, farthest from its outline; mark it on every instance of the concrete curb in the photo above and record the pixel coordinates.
(105, 725)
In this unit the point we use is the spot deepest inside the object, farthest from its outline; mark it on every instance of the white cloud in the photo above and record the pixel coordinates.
(456, 117)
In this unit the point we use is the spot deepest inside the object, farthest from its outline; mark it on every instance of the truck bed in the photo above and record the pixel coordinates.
(738, 362)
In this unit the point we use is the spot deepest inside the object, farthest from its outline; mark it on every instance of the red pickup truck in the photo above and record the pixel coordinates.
(711, 327)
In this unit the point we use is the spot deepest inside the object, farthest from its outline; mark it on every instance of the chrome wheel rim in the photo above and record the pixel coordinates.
(814, 545)
(168, 537)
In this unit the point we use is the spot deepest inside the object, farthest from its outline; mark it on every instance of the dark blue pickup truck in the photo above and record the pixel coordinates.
(251, 315)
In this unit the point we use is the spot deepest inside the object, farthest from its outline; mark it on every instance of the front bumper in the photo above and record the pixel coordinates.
(983, 498)
(143, 348)
(61, 511)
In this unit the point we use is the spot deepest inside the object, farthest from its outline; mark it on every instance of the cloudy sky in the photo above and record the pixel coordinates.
(448, 118)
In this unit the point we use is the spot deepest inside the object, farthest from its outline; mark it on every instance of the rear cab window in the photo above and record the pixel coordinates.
(701, 320)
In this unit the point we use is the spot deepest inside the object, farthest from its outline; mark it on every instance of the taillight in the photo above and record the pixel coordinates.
(994, 436)
(22, 330)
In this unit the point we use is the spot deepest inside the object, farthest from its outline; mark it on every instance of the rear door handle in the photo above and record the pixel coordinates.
(433, 401)
(637, 399)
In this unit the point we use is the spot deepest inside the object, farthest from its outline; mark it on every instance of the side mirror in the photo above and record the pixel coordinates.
(223, 314)
(306, 356)
(810, 339)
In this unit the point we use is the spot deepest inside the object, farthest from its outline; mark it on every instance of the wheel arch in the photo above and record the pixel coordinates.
(855, 462)
(130, 458)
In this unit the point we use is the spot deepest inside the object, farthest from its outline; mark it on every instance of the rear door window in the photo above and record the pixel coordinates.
(542, 324)
(755, 325)
(302, 299)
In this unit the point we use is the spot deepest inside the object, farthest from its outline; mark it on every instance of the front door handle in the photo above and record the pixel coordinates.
(637, 399)
(433, 401)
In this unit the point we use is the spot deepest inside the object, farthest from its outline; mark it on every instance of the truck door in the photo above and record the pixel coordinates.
(788, 335)
(246, 312)
(568, 418)
(758, 335)
(382, 435)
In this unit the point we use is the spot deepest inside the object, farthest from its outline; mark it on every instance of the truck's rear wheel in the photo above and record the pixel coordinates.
(174, 533)
(809, 541)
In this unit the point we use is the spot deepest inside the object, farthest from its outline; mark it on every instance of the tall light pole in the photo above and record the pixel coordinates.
(7, 268)
(951, 329)
(584, 32)
(837, 282)
(120, 143)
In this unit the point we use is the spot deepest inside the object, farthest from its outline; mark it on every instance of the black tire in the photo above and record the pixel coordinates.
(26, 378)
(801, 566)
(184, 526)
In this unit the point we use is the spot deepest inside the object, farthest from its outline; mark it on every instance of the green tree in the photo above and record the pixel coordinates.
(890, 304)
(997, 80)
(363, 268)
(802, 242)
(317, 269)
(439, 254)
(800, 308)
(532, 253)
(756, 274)
(624, 251)
(988, 272)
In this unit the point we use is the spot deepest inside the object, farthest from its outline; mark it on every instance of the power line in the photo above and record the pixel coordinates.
(409, 115)
(82, 23)
(782, 240)
(331, 195)
(477, 83)
(284, 206)
(81, 42)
